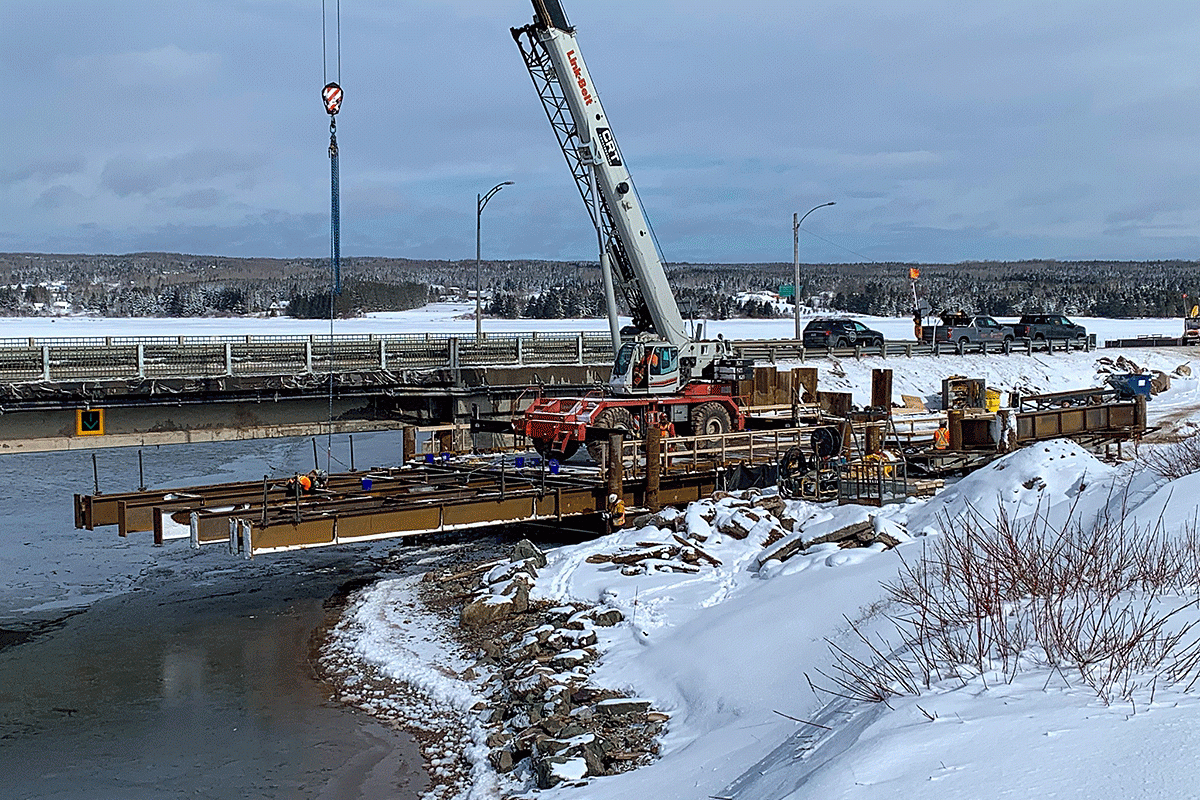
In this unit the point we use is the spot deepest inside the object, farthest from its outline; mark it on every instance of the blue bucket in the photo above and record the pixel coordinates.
(553, 467)
(519, 462)
(366, 484)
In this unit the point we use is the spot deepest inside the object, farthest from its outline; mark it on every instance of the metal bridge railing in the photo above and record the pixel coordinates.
(154, 357)
(131, 357)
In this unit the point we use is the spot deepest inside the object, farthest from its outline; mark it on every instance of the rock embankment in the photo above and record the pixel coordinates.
(547, 722)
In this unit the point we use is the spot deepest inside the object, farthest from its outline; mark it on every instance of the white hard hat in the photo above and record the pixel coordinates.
(612, 498)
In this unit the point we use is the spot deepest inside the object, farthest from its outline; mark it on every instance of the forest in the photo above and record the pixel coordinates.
(176, 285)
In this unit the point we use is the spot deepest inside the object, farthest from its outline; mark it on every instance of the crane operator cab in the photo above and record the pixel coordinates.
(646, 368)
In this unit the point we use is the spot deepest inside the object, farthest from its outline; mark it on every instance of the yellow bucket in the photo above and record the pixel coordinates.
(991, 399)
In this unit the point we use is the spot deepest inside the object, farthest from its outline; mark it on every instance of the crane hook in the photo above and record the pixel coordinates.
(332, 95)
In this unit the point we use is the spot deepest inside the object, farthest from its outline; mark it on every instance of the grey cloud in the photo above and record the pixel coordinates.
(128, 175)
(44, 170)
(167, 66)
(1067, 193)
(1144, 213)
(57, 197)
(199, 199)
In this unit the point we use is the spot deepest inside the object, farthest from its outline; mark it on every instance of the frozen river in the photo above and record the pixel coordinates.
(133, 671)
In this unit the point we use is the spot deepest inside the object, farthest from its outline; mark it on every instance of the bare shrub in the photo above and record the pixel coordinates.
(1174, 460)
(991, 598)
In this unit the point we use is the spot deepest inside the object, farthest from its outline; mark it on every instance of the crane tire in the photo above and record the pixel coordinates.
(614, 417)
(708, 419)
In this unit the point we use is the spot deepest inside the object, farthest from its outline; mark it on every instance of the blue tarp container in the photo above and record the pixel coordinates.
(1130, 384)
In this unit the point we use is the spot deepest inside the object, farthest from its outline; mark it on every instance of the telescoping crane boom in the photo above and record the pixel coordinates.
(569, 97)
(662, 375)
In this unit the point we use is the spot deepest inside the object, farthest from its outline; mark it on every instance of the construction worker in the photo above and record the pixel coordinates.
(302, 482)
(615, 512)
(941, 437)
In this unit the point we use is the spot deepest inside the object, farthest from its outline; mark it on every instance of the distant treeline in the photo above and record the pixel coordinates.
(359, 297)
(171, 284)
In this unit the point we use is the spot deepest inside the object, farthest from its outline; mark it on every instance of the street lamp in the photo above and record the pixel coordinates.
(481, 200)
(796, 223)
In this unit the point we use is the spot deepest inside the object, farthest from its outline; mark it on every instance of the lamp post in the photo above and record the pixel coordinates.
(481, 200)
(796, 223)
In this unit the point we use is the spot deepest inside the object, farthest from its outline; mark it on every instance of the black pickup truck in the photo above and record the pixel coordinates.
(1040, 327)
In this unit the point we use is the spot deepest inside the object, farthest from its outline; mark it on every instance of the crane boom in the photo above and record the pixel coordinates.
(569, 96)
(661, 376)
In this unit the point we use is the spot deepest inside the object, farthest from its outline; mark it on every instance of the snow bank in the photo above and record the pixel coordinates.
(728, 652)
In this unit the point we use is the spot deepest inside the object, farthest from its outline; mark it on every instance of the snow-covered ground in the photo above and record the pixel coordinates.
(459, 318)
(729, 652)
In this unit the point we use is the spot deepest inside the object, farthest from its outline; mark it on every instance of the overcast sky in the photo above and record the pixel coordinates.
(944, 131)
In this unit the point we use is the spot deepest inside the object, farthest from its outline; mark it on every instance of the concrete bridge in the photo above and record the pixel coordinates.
(75, 393)
(58, 394)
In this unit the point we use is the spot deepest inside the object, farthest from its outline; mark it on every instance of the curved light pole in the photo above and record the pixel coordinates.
(796, 223)
(481, 200)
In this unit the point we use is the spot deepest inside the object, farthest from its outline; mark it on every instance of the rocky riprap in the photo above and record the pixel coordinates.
(547, 722)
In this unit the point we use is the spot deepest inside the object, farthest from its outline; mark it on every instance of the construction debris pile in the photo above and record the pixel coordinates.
(1160, 381)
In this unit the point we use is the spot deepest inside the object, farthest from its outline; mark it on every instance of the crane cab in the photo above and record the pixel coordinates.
(643, 367)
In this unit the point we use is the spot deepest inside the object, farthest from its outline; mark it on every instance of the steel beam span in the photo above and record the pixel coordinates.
(454, 493)
(429, 496)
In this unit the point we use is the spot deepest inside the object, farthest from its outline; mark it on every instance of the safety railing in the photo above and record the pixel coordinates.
(156, 357)
(794, 349)
(697, 453)
(124, 357)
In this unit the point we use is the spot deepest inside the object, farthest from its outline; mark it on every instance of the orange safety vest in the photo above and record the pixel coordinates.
(941, 439)
(617, 513)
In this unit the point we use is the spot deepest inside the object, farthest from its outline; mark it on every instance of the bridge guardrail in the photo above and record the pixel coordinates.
(121, 358)
(158, 357)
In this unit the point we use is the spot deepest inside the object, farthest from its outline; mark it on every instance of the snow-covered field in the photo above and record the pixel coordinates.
(459, 318)
(729, 652)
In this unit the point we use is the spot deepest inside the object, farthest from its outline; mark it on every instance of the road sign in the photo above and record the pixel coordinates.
(787, 290)
(89, 422)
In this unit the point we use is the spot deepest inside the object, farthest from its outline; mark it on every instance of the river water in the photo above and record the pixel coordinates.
(171, 673)
(193, 691)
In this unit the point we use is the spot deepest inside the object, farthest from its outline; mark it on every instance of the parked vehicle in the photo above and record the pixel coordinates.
(840, 332)
(1040, 327)
(962, 330)
(1191, 326)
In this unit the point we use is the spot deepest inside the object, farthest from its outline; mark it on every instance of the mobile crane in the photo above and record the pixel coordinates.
(662, 374)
